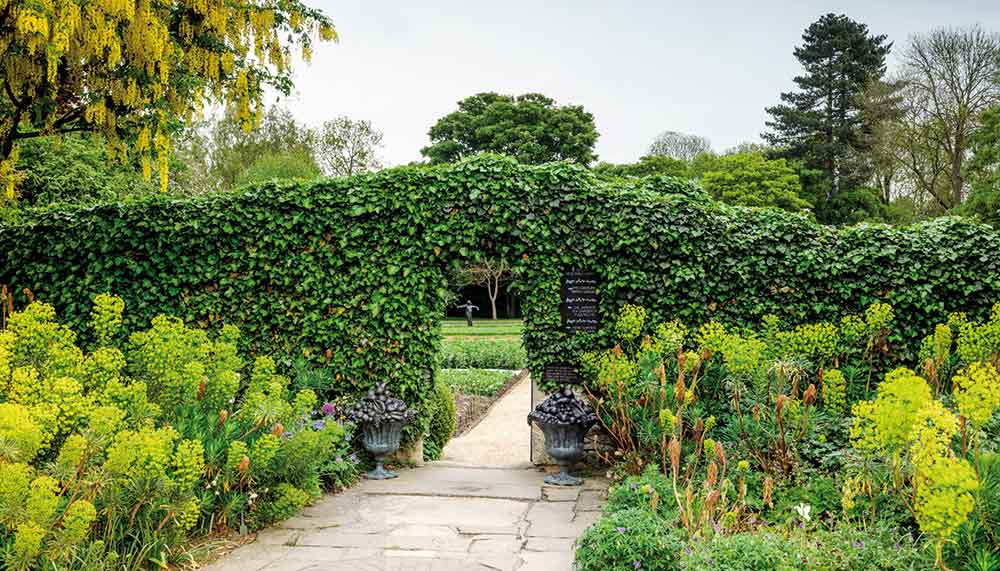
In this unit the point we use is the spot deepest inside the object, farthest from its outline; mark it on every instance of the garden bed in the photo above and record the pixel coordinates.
(811, 447)
(474, 399)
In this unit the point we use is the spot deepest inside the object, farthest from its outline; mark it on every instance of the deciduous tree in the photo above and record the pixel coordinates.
(530, 128)
(491, 272)
(647, 165)
(680, 146)
(133, 70)
(232, 149)
(953, 75)
(345, 147)
(749, 179)
(295, 164)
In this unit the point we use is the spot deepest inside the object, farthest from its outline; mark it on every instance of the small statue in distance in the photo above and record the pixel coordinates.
(468, 307)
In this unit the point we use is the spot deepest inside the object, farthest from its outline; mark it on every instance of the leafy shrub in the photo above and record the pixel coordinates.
(630, 539)
(976, 544)
(480, 382)
(761, 551)
(650, 490)
(443, 422)
(124, 453)
(842, 549)
(483, 354)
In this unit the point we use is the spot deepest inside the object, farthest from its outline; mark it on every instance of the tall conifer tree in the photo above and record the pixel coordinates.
(822, 123)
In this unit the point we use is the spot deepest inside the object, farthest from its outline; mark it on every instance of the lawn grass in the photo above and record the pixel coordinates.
(454, 327)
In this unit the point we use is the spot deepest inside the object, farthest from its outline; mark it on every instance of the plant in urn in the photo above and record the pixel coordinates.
(381, 417)
(565, 420)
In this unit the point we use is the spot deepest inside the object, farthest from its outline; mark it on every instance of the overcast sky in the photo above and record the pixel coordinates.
(707, 67)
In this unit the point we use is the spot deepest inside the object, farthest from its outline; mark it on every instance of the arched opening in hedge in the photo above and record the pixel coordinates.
(351, 273)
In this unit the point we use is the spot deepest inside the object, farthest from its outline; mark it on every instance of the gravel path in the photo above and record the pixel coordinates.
(503, 438)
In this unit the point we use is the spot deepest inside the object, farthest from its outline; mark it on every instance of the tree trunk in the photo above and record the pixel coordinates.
(493, 288)
(956, 176)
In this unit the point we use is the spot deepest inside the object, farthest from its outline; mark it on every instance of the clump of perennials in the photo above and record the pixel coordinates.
(563, 407)
(379, 407)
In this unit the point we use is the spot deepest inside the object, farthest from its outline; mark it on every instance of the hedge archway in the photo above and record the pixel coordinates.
(351, 272)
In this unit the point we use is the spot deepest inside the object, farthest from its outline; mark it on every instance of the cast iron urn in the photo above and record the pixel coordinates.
(381, 418)
(564, 420)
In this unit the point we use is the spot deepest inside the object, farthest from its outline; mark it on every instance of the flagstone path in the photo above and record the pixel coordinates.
(445, 516)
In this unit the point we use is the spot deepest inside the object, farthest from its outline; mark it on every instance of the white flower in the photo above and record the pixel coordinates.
(803, 510)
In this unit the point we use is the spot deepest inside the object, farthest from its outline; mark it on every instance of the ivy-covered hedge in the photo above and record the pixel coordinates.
(351, 272)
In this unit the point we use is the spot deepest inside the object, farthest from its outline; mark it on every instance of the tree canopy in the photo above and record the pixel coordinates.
(231, 149)
(647, 165)
(984, 169)
(76, 170)
(530, 128)
(346, 146)
(952, 76)
(750, 179)
(680, 146)
(134, 70)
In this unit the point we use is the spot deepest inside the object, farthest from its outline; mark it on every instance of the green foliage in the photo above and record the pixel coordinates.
(530, 128)
(840, 549)
(983, 169)
(77, 169)
(507, 354)
(638, 492)
(480, 382)
(760, 551)
(647, 165)
(351, 273)
(884, 425)
(630, 539)
(290, 165)
(750, 179)
(232, 150)
(138, 451)
(443, 422)
(976, 544)
(914, 433)
(855, 206)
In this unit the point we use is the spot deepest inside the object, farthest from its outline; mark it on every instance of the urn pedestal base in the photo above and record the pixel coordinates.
(380, 440)
(564, 443)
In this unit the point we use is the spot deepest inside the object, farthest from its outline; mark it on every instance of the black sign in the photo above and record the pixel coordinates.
(579, 302)
(560, 375)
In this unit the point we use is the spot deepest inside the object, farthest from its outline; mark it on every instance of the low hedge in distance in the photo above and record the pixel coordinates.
(479, 382)
(483, 354)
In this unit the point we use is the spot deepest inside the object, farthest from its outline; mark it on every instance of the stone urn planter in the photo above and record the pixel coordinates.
(564, 420)
(381, 418)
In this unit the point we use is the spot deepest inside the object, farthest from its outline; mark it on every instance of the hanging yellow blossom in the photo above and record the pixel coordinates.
(124, 67)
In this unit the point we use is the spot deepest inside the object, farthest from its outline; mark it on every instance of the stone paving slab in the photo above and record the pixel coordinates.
(436, 518)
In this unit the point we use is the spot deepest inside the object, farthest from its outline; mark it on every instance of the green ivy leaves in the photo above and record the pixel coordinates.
(348, 272)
